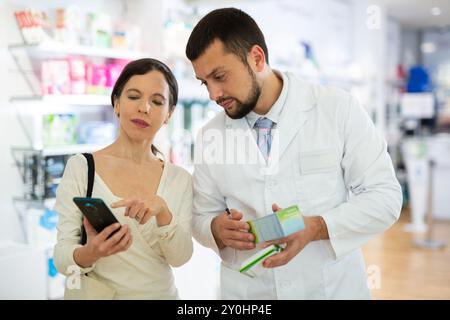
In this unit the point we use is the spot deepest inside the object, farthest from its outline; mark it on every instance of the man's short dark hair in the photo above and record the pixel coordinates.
(235, 28)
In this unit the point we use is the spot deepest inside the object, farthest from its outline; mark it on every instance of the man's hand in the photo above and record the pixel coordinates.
(315, 229)
(229, 231)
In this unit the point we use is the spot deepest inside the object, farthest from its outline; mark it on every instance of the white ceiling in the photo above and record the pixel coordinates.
(417, 13)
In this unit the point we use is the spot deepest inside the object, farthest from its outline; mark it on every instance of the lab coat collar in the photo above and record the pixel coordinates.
(275, 111)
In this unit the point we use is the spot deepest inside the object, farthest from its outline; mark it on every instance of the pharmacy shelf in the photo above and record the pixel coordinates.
(50, 104)
(47, 203)
(55, 48)
(63, 150)
(65, 99)
(71, 149)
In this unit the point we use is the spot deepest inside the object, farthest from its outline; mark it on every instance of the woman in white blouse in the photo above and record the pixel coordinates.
(151, 199)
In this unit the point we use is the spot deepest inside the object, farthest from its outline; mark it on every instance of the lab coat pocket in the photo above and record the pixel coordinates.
(232, 284)
(228, 256)
(318, 174)
(346, 278)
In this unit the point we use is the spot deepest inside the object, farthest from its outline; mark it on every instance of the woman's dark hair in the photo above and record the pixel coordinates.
(235, 28)
(141, 67)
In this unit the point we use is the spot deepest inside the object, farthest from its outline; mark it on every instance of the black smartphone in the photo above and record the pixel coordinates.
(96, 211)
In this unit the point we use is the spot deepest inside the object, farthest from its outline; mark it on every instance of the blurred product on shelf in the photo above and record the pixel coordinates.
(67, 129)
(100, 28)
(96, 79)
(418, 80)
(126, 36)
(96, 132)
(33, 177)
(32, 25)
(444, 117)
(55, 77)
(40, 226)
(60, 25)
(77, 75)
(59, 129)
(53, 171)
(41, 174)
(119, 39)
(400, 80)
(113, 71)
(70, 26)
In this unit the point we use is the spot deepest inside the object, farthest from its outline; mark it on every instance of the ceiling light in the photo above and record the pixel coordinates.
(428, 47)
(436, 11)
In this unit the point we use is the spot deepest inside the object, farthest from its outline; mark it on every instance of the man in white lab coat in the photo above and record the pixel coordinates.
(280, 142)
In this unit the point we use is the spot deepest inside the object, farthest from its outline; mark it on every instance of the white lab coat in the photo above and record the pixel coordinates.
(330, 161)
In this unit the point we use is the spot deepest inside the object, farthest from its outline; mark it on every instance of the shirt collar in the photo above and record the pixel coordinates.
(275, 110)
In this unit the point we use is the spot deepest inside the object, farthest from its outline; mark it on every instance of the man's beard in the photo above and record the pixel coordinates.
(242, 109)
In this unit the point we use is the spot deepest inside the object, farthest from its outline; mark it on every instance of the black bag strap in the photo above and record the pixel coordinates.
(91, 173)
(90, 186)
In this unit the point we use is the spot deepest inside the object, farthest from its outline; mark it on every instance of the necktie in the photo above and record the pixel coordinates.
(263, 128)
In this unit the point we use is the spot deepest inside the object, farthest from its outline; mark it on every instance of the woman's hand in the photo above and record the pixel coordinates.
(143, 209)
(113, 239)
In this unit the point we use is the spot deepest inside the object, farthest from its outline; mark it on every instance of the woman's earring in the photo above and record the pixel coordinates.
(116, 111)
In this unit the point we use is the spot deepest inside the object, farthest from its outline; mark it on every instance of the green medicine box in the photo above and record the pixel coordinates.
(252, 267)
(277, 225)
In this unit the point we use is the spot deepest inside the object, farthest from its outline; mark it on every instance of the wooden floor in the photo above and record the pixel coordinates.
(408, 272)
